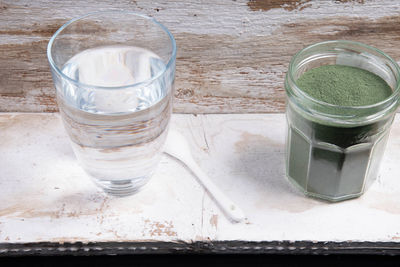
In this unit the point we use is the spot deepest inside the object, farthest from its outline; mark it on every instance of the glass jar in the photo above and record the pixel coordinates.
(334, 152)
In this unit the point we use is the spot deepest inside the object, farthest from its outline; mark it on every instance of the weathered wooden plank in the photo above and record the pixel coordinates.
(46, 197)
(232, 55)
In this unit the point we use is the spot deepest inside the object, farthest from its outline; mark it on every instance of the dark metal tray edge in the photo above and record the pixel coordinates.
(200, 247)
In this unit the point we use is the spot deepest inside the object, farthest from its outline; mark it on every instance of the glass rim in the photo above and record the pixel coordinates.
(394, 94)
(138, 84)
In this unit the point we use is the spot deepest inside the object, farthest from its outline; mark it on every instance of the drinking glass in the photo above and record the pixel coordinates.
(114, 77)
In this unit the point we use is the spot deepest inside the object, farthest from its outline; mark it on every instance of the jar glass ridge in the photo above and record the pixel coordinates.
(334, 152)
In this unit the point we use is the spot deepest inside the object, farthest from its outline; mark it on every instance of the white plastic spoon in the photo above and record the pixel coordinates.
(177, 147)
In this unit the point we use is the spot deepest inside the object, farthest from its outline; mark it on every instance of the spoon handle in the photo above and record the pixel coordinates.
(227, 206)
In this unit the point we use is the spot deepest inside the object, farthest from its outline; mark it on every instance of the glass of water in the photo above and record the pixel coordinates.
(114, 76)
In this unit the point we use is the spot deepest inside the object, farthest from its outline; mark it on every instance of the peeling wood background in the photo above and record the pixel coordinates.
(232, 55)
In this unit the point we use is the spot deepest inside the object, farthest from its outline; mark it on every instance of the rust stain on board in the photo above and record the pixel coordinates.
(70, 207)
(214, 220)
(155, 228)
(249, 142)
(386, 202)
(295, 202)
(21, 211)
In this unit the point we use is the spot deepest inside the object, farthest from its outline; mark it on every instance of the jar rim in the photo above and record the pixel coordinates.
(394, 93)
(389, 103)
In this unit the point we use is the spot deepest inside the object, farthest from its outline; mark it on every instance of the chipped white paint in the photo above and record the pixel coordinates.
(45, 196)
(200, 17)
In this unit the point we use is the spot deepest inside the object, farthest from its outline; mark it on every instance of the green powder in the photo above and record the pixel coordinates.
(333, 162)
(344, 85)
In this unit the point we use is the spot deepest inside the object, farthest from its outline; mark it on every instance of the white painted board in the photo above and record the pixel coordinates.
(46, 196)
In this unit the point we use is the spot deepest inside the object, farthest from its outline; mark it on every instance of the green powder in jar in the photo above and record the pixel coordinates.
(344, 85)
(335, 162)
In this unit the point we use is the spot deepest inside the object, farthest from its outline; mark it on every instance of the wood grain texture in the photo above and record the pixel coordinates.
(232, 55)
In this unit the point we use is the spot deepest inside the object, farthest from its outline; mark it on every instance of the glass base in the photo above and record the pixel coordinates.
(122, 188)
